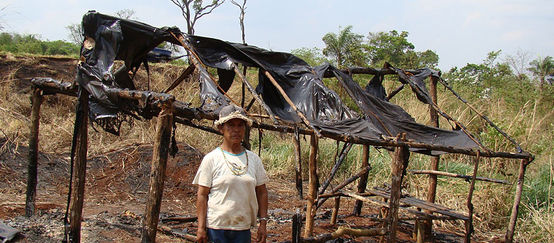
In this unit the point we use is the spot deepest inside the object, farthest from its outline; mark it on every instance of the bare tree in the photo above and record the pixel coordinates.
(2, 11)
(76, 34)
(241, 17)
(519, 63)
(125, 14)
(192, 10)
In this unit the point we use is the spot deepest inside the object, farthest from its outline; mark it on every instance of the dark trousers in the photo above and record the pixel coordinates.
(228, 236)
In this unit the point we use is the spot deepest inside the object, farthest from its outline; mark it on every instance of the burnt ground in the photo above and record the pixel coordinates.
(117, 184)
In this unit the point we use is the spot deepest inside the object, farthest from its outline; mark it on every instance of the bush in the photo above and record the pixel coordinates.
(30, 44)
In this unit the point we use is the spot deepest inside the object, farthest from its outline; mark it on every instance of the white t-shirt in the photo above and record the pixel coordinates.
(232, 203)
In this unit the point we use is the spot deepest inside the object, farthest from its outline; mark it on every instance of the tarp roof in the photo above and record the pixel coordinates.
(130, 41)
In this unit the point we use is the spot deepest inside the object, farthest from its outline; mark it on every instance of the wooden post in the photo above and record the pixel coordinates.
(157, 173)
(335, 212)
(312, 190)
(298, 157)
(401, 156)
(469, 222)
(517, 198)
(362, 184)
(79, 171)
(296, 226)
(435, 160)
(32, 177)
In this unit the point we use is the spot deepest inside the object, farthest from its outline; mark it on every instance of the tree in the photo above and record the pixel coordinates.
(125, 14)
(312, 56)
(394, 48)
(389, 47)
(192, 10)
(519, 63)
(542, 67)
(76, 33)
(345, 47)
(242, 8)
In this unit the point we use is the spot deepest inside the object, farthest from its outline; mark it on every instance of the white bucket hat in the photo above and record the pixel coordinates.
(231, 112)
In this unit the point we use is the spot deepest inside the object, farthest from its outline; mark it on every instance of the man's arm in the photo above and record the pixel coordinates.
(202, 213)
(261, 195)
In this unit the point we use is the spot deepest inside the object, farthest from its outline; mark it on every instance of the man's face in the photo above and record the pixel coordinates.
(233, 130)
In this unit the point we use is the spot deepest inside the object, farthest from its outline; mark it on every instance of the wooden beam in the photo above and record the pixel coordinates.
(362, 183)
(297, 227)
(517, 198)
(32, 167)
(79, 170)
(401, 156)
(435, 160)
(335, 212)
(185, 74)
(469, 222)
(312, 188)
(344, 152)
(298, 167)
(345, 183)
(466, 177)
(157, 173)
(341, 231)
(181, 109)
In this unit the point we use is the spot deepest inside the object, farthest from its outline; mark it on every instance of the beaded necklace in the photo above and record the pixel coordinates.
(236, 169)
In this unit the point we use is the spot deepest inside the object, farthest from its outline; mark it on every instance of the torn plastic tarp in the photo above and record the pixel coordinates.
(322, 106)
(107, 39)
(130, 41)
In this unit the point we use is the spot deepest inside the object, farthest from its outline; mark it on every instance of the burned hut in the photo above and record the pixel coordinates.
(294, 100)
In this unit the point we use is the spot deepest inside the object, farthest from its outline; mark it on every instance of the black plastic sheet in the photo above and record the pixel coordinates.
(130, 41)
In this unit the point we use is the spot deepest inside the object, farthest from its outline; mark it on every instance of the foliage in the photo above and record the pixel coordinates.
(16, 43)
(192, 10)
(394, 48)
(312, 56)
(345, 48)
(542, 67)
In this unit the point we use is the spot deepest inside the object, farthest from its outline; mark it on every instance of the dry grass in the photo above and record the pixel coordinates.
(492, 202)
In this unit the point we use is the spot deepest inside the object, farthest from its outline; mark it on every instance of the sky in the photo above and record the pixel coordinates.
(460, 32)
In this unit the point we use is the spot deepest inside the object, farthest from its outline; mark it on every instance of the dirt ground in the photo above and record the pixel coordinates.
(117, 184)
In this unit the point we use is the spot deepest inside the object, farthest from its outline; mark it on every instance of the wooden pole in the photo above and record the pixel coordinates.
(345, 183)
(435, 160)
(157, 173)
(362, 183)
(296, 226)
(335, 212)
(517, 198)
(466, 177)
(32, 177)
(79, 171)
(182, 110)
(401, 156)
(312, 189)
(253, 92)
(298, 157)
(469, 222)
(289, 101)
